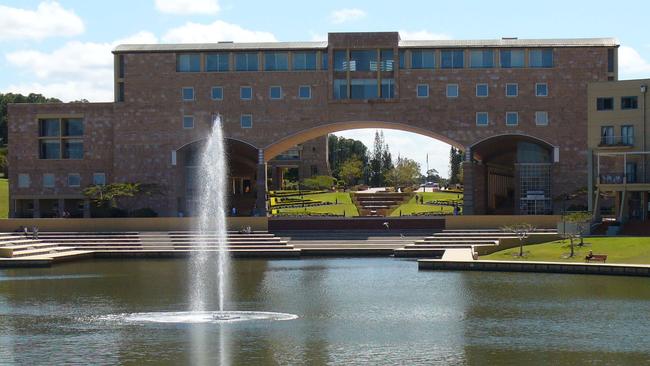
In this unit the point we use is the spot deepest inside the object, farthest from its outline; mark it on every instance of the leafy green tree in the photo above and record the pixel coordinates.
(405, 173)
(455, 165)
(380, 161)
(351, 170)
(340, 149)
(108, 195)
(319, 182)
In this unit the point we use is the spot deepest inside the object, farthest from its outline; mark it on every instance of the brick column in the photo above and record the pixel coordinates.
(468, 188)
(260, 201)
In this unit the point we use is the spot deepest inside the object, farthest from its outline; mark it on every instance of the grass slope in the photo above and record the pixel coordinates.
(630, 250)
(344, 204)
(411, 207)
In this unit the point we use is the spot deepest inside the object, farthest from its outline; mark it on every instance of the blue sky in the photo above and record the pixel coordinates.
(62, 48)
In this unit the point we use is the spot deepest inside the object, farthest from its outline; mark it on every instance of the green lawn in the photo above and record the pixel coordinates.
(4, 198)
(411, 207)
(344, 204)
(631, 250)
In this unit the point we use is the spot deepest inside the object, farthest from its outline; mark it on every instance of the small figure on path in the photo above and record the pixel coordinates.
(386, 225)
(26, 231)
(35, 232)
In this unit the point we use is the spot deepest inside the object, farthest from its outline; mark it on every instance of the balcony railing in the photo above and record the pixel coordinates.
(620, 178)
(616, 141)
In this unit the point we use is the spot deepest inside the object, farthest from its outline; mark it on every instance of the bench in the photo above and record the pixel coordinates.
(596, 257)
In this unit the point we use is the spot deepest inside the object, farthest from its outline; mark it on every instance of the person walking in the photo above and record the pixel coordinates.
(35, 232)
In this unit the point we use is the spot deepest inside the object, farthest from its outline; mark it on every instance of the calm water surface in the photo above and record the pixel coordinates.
(351, 311)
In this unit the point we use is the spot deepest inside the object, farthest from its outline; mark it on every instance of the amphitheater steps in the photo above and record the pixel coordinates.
(18, 250)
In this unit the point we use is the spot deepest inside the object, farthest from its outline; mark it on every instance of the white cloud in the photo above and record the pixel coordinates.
(215, 32)
(422, 35)
(346, 15)
(75, 71)
(48, 20)
(631, 65)
(187, 6)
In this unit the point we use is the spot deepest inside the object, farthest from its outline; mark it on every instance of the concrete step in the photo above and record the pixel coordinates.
(419, 253)
(40, 251)
(62, 256)
(19, 242)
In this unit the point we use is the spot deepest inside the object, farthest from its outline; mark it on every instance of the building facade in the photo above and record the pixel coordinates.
(518, 108)
(619, 158)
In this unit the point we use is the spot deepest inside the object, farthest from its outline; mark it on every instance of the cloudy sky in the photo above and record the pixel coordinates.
(62, 48)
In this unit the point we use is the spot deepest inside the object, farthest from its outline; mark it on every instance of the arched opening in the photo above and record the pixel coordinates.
(511, 174)
(242, 170)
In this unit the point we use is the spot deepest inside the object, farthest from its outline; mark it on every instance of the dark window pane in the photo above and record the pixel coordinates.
(363, 89)
(276, 61)
(363, 60)
(541, 57)
(604, 104)
(73, 149)
(49, 127)
(402, 58)
(73, 127)
(246, 61)
(386, 59)
(188, 62)
(304, 61)
(387, 88)
(423, 59)
(340, 89)
(217, 62)
(340, 60)
(452, 59)
(512, 58)
(50, 149)
(629, 103)
(324, 59)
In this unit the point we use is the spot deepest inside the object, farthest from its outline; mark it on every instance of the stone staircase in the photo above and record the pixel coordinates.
(378, 203)
(447, 242)
(174, 243)
(17, 250)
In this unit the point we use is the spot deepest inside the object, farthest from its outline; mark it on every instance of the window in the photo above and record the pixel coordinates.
(541, 90)
(188, 94)
(188, 121)
(275, 92)
(511, 58)
(340, 60)
(120, 92)
(482, 118)
(304, 61)
(627, 135)
(423, 90)
(304, 92)
(386, 60)
(363, 89)
(340, 89)
(630, 172)
(74, 180)
(189, 62)
(452, 59)
(48, 180)
(629, 103)
(246, 61)
(481, 58)
(423, 59)
(23, 181)
(246, 121)
(512, 118)
(541, 118)
(217, 93)
(363, 60)
(120, 66)
(610, 60)
(402, 59)
(604, 104)
(387, 88)
(60, 138)
(217, 62)
(512, 90)
(324, 60)
(276, 61)
(246, 93)
(452, 90)
(99, 179)
(540, 58)
(482, 90)
(607, 135)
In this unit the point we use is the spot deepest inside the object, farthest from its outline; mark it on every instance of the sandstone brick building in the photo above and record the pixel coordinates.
(518, 108)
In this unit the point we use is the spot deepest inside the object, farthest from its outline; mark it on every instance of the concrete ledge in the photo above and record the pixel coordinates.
(344, 252)
(539, 267)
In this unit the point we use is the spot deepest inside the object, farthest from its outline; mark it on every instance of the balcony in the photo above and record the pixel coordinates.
(616, 141)
(623, 170)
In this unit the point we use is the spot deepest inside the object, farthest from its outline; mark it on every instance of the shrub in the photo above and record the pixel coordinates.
(143, 212)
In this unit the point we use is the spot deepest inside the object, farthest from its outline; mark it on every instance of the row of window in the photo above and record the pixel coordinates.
(245, 93)
(49, 180)
(362, 60)
(60, 138)
(607, 136)
(367, 60)
(607, 103)
(482, 90)
(249, 61)
(482, 119)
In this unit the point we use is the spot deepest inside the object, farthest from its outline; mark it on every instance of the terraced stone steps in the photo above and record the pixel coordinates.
(353, 243)
(18, 250)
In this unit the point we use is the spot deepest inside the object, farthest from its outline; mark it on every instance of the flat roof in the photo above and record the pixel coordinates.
(504, 42)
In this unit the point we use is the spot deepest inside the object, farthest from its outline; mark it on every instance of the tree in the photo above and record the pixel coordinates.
(521, 231)
(351, 170)
(455, 165)
(406, 172)
(340, 149)
(108, 195)
(319, 182)
(381, 161)
(581, 221)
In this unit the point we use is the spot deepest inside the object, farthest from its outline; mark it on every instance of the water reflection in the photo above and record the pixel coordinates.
(352, 311)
